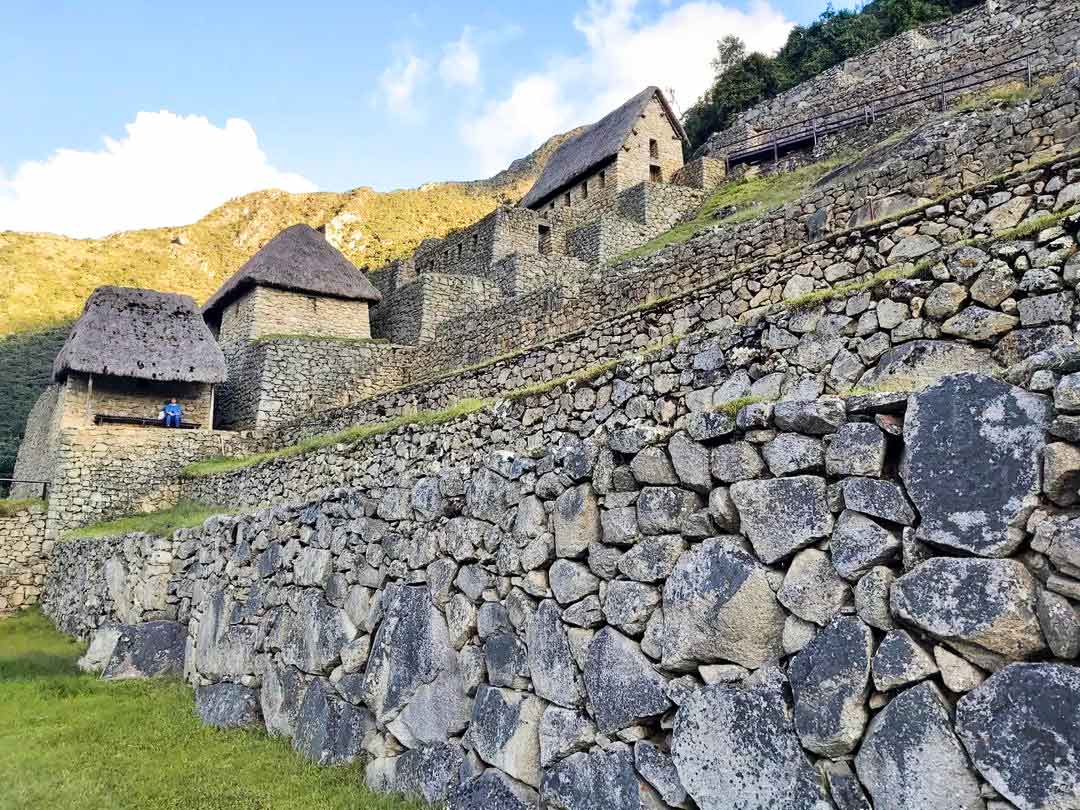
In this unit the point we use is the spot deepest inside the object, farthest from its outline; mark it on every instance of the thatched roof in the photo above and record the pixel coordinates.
(597, 145)
(298, 259)
(149, 335)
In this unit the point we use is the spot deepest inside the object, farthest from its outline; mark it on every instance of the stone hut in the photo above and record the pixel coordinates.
(133, 349)
(641, 141)
(297, 284)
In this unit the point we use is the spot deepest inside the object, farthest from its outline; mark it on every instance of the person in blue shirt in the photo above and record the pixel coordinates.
(173, 413)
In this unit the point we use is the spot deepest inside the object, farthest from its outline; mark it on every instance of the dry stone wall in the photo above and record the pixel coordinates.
(621, 595)
(990, 33)
(752, 248)
(24, 554)
(111, 472)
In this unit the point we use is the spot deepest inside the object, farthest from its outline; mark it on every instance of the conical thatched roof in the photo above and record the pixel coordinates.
(149, 335)
(591, 149)
(298, 259)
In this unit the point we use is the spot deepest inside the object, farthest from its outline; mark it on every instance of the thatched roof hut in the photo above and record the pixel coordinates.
(598, 145)
(143, 334)
(299, 259)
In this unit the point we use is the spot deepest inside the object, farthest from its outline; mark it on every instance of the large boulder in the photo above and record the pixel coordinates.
(551, 665)
(622, 685)
(991, 603)
(413, 683)
(228, 705)
(590, 781)
(100, 650)
(312, 636)
(910, 758)
(576, 521)
(830, 680)
(428, 773)
(956, 430)
(493, 790)
(330, 730)
(1022, 730)
(735, 747)
(147, 650)
(718, 606)
(911, 365)
(812, 590)
(280, 697)
(505, 732)
(782, 515)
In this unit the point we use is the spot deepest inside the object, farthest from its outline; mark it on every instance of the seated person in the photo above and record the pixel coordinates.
(173, 413)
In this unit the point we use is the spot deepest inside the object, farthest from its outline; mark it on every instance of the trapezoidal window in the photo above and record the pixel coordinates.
(459, 251)
(585, 190)
(654, 148)
(543, 240)
(655, 174)
(602, 180)
(566, 199)
(473, 243)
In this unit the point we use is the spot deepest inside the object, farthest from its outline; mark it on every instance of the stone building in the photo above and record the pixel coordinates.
(300, 290)
(129, 352)
(610, 188)
(298, 283)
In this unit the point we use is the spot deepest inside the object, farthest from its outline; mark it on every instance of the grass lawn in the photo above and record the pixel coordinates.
(70, 740)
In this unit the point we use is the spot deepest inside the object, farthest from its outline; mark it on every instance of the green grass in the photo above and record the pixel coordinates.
(751, 196)
(1008, 94)
(812, 299)
(70, 740)
(162, 523)
(11, 506)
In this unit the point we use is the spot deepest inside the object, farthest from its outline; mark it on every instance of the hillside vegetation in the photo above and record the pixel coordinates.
(46, 278)
(743, 80)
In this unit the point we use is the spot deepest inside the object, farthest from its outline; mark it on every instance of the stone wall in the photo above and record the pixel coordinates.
(521, 273)
(24, 554)
(109, 472)
(988, 34)
(411, 314)
(37, 451)
(273, 380)
(776, 604)
(263, 311)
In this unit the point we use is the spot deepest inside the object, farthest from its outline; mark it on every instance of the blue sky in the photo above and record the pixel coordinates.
(201, 102)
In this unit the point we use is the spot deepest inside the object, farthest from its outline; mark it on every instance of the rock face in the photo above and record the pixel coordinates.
(329, 730)
(505, 732)
(280, 697)
(990, 603)
(735, 747)
(412, 683)
(910, 758)
(623, 687)
(493, 790)
(782, 515)
(147, 650)
(718, 606)
(551, 664)
(588, 781)
(900, 661)
(830, 681)
(428, 773)
(1022, 731)
(956, 430)
(228, 705)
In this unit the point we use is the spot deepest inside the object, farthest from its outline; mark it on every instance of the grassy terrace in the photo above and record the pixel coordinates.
(71, 740)
(162, 523)
(11, 506)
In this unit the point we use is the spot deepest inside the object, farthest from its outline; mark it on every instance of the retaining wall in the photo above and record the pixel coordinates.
(24, 555)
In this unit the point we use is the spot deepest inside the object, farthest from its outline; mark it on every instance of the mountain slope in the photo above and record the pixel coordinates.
(45, 278)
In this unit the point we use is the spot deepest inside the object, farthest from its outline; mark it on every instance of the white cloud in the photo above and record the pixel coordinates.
(624, 52)
(168, 170)
(460, 63)
(398, 83)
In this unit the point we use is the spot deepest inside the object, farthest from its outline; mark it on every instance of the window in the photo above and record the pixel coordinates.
(654, 148)
(473, 246)
(585, 190)
(655, 174)
(543, 241)
(603, 179)
(551, 205)
(459, 251)
(566, 199)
